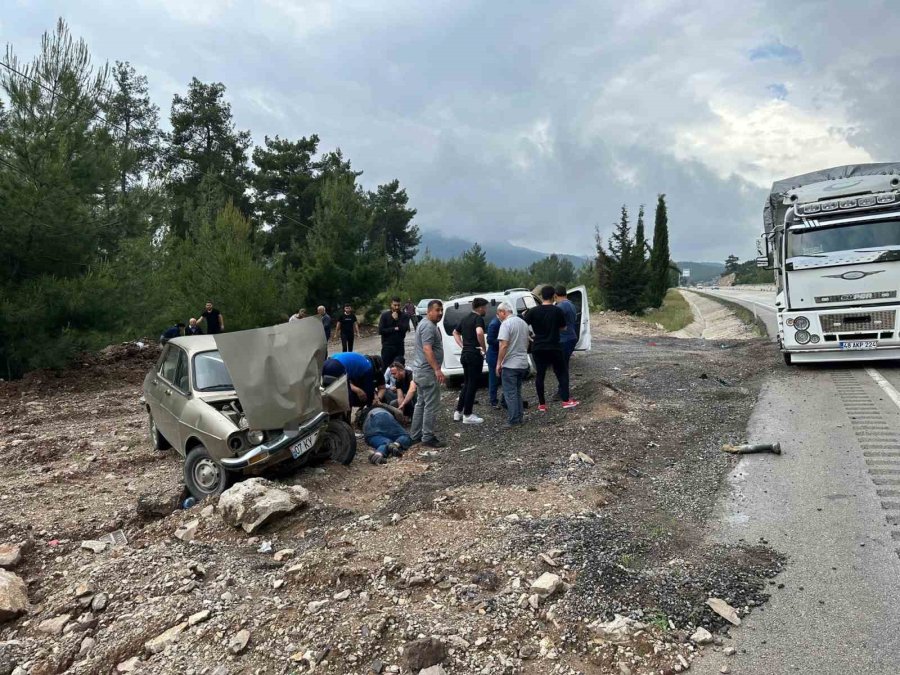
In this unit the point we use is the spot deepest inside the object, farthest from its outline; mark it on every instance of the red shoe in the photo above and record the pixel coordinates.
(542, 408)
(571, 403)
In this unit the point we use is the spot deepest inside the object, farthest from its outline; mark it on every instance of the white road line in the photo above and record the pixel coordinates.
(884, 384)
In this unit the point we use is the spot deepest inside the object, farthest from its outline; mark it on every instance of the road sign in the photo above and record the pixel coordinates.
(686, 272)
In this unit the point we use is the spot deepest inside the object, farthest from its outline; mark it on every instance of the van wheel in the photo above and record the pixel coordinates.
(203, 475)
(159, 441)
(338, 442)
(787, 358)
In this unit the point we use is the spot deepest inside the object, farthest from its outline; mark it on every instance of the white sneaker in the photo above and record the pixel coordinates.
(472, 419)
(457, 416)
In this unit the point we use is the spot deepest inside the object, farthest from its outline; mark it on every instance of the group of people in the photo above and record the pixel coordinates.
(212, 317)
(395, 395)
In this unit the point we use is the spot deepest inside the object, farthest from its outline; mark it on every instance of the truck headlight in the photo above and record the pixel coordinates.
(255, 437)
(802, 337)
(801, 322)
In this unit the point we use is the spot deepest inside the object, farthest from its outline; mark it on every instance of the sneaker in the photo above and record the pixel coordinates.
(434, 443)
(571, 403)
(542, 407)
(376, 458)
(416, 440)
(396, 449)
(457, 415)
(472, 419)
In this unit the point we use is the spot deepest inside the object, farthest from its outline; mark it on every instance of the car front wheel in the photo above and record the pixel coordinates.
(159, 441)
(203, 475)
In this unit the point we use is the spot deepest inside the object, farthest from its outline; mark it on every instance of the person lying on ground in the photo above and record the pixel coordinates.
(384, 435)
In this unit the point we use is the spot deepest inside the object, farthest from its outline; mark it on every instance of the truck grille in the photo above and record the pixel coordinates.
(858, 321)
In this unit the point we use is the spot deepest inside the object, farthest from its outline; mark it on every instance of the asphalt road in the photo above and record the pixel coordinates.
(831, 503)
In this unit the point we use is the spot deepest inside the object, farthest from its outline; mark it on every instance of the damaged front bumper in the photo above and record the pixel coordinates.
(279, 448)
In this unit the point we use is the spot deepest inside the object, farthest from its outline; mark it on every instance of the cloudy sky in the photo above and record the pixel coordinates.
(528, 121)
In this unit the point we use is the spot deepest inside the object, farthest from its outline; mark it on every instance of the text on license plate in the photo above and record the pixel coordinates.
(303, 445)
(859, 344)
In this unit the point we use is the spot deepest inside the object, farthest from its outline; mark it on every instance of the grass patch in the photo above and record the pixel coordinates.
(674, 314)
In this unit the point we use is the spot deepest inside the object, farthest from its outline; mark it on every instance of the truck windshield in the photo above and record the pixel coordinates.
(874, 235)
(210, 373)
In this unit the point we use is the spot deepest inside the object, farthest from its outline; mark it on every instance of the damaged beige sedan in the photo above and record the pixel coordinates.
(239, 403)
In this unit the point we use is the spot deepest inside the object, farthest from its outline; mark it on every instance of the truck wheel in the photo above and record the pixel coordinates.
(787, 358)
(203, 475)
(339, 441)
(159, 441)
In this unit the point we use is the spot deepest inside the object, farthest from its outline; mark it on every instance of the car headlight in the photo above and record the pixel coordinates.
(801, 322)
(802, 337)
(255, 437)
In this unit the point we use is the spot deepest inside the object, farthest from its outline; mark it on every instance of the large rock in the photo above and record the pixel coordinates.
(13, 596)
(55, 625)
(253, 502)
(10, 555)
(424, 653)
(546, 585)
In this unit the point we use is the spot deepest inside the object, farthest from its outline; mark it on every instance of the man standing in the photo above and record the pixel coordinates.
(493, 349)
(428, 376)
(469, 335)
(410, 310)
(326, 323)
(548, 322)
(512, 361)
(349, 328)
(569, 337)
(215, 322)
(193, 328)
(392, 327)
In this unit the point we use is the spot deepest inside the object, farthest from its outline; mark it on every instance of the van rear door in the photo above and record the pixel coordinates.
(579, 297)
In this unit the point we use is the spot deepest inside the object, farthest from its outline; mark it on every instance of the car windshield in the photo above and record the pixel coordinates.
(210, 373)
(872, 235)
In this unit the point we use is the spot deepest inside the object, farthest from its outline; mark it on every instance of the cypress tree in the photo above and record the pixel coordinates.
(639, 257)
(659, 257)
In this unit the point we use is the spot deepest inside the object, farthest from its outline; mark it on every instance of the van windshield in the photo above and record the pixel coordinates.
(871, 235)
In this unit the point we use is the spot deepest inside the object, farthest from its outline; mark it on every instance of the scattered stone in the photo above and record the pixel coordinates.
(163, 640)
(130, 665)
(587, 459)
(343, 595)
(255, 501)
(701, 636)
(395, 518)
(513, 518)
(99, 602)
(574, 457)
(199, 617)
(208, 511)
(10, 555)
(618, 631)
(86, 645)
(376, 666)
(283, 554)
(278, 583)
(624, 669)
(548, 560)
(55, 625)
(83, 589)
(724, 610)
(724, 669)
(534, 600)
(683, 661)
(315, 605)
(265, 547)
(546, 585)
(13, 596)
(729, 651)
(434, 670)
(458, 642)
(93, 545)
(188, 531)
(239, 641)
(424, 653)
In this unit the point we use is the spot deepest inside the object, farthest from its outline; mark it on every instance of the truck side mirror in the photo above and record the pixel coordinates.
(761, 248)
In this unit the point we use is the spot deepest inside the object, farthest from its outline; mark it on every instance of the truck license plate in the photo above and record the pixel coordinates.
(857, 345)
(303, 445)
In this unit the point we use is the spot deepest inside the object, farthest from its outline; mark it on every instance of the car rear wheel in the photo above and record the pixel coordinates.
(159, 441)
(339, 442)
(203, 475)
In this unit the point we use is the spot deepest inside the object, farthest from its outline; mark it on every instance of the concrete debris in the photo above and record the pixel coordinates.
(199, 617)
(773, 448)
(587, 459)
(283, 554)
(188, 531)
(548, 560)
(315, 605)
(255, 501)
(724, 610)
(343, 595)
(10, 555)
(701, 636)
(13, 596)
(619, 631)
(93, 545)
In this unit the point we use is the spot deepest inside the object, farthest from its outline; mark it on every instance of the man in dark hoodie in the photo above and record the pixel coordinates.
(393, 327)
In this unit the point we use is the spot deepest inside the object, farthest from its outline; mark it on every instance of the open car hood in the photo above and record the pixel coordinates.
(276, 371)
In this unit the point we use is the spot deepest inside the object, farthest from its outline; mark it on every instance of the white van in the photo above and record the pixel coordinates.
(521, 299)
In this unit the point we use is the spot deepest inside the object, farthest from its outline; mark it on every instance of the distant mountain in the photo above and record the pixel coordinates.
(502, 255)
(702, 271)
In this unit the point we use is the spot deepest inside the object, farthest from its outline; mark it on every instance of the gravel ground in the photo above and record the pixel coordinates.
(440, 543)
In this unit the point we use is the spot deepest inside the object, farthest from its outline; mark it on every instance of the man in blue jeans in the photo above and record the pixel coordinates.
(493, 350)
(569, 337)
(512, 361)
(384, 435)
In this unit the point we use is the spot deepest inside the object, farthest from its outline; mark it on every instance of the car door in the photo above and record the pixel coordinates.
(160, 390)
(175, 395)
(578, 296)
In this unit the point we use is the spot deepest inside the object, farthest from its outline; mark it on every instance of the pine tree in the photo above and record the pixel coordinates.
(659, 257)
(623, 288)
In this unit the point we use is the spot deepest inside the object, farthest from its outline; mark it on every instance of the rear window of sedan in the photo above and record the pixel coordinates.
(210, 373)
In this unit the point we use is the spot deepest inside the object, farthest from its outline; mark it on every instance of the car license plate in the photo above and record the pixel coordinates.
(303, 445)
(857, 345)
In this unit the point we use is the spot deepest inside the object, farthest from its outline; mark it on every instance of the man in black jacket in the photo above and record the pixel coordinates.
(393, 327)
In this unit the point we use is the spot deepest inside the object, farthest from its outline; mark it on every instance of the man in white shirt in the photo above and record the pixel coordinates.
(512, 361)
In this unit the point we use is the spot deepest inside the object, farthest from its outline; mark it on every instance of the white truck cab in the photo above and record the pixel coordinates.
(521, 299)
(833, 240)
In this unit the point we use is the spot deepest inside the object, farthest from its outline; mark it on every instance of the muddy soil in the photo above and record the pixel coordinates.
(439, 543)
